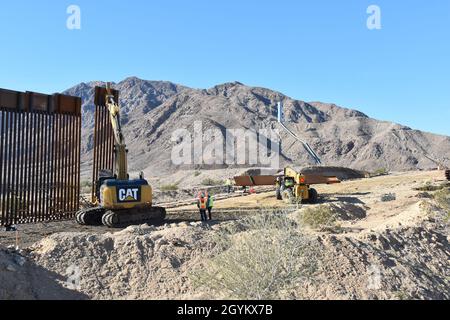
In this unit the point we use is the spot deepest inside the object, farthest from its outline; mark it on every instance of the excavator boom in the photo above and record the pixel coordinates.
(120, 145)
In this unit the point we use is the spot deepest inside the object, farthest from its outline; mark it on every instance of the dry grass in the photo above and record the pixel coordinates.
(262, 257)
(85, 186)
(380, 172)
(442, 198)
(169, 187)
(320, 218)
(430, 187)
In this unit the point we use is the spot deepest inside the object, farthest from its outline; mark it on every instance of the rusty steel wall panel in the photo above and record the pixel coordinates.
(40, 140)
(103, 150)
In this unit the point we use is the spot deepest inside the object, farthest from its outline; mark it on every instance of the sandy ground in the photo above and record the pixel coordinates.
(366, 192)
(404, 211)
(32, 233)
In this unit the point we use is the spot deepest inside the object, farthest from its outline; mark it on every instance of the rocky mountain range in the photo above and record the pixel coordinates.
(152, 110)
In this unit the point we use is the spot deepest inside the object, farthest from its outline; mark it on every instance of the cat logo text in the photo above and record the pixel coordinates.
(129, 194)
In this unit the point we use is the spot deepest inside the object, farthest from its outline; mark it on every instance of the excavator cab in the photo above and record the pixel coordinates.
(119, 200)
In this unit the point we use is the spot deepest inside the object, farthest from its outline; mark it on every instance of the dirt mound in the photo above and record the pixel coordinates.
(407, 263)
(22, 279)
(155, 263)
(137, 263)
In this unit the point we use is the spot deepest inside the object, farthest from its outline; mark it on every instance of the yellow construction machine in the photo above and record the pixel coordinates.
(293, 187)
(119, 201)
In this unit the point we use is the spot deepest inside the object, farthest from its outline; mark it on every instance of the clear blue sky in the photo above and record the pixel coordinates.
(310, 50)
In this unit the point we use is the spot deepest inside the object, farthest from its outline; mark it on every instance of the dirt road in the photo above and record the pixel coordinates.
(367, 193)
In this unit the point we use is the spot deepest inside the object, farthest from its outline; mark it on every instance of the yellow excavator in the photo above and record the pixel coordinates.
(120, 201)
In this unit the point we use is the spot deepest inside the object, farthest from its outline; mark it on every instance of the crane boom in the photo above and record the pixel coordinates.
(307, 147)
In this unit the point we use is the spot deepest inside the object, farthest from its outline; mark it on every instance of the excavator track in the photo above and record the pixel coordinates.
(117, 219)
(90, 216)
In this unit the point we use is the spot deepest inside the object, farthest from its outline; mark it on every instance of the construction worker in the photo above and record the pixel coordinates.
(228, 184)
(202, 204)
(278, 182)
(279, 188)
(210, 205)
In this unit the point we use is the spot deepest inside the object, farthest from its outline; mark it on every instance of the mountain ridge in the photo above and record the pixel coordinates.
(152, 110)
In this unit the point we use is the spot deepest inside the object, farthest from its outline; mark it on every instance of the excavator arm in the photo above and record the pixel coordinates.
(120, 145)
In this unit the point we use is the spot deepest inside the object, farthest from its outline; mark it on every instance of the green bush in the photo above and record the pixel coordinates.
(261, 257)
(320, 218)
(197, 173)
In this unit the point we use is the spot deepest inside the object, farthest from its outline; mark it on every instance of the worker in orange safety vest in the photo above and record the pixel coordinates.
(202, 204)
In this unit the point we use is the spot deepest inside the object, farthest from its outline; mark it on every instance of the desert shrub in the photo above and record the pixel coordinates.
(212, 182)
(320, 218)
(424, 195)
(197, 173)
(442, 198)
(262, 257)
(169, 187)
(429, 186)
(86, 183)
(380, 172)
(85, 186)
